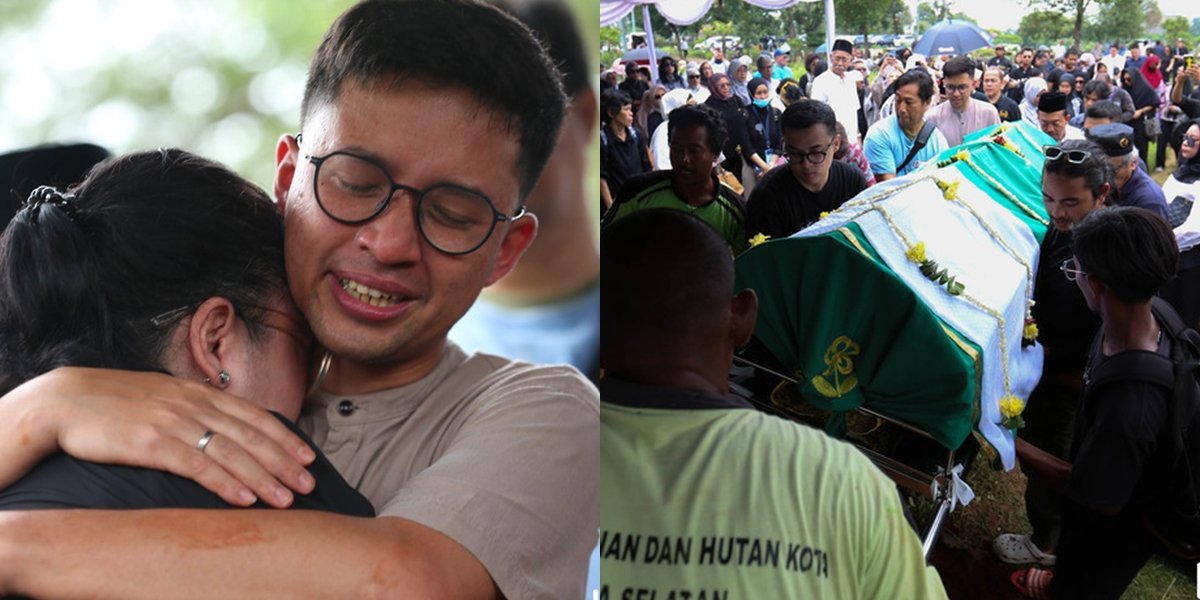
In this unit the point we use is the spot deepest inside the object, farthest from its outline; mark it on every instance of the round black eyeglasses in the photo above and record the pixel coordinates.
(353, 189)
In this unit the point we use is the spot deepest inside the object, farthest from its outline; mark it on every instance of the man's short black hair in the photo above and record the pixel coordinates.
(805, 113)
(921, 78)
(1104, 109)
(389, 43)
(1025, 49)
(1094, 170)
(1100, 88)
(611, 102)
(704, 116)
(959, 65)
(1072, 51)
(1131, 250)
(674, 274)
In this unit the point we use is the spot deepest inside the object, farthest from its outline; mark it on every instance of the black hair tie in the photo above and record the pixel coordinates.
(48, 195)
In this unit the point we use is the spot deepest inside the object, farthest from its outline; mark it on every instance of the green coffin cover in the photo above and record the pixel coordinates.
(857, 338)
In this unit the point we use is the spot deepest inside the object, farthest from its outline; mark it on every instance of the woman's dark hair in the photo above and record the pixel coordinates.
(704, 116)
(921, 78)
(1130, 250)
(611, 102)
(1094, 170)
(83, 274)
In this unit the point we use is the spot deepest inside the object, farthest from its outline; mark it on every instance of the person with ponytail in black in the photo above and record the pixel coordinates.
(158, 261)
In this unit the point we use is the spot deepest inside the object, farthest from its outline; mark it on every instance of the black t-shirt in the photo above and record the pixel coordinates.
(1009, 111)
(1019, 75)
(779, 206)
(1000, 61)
(62, 481)
(1066, 326)
(620, 160)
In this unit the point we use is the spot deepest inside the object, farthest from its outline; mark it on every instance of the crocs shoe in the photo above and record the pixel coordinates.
(1016, 549)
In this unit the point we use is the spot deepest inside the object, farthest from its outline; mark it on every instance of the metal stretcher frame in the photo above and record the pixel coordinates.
(905, 475)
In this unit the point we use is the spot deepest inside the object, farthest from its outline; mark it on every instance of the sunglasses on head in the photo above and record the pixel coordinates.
(1075, 157)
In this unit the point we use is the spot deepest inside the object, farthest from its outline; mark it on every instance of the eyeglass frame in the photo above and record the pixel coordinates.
(1072, 273)
(419, 196)
(957, 87)
(164, 319)
(1061, 154)
(1188, 140)
(808, 155)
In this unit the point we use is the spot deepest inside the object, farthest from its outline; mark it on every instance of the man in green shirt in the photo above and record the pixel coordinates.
(696, 135)
(702, 496)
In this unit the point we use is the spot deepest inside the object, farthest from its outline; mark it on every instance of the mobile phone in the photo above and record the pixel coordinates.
(1188, 61)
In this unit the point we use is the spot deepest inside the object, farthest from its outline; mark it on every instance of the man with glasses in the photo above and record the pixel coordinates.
(1120, 464)
(1074, 184)
(837, 90)
(696, 135)
(961, 115)
(787, 200)
(484, 471)
(903, 141)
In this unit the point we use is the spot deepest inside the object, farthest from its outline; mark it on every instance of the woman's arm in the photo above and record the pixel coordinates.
(155, 421)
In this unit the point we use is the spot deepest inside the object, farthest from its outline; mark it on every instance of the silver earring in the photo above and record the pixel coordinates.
(222, 378)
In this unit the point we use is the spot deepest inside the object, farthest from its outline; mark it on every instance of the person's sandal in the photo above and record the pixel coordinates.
(1016, 549)
(1033, 582)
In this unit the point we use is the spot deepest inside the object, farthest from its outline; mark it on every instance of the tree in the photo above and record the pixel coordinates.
(1123, 16)
(1196, 26)
(1154, 16)
(805, 18)
(1066, 8)
(1176, 27)
(860, 15)
(1043, 27)
(896, 17)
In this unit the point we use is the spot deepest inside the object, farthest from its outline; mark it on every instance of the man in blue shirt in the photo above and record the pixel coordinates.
(890, 142)
(1134, 186)
(781, 70)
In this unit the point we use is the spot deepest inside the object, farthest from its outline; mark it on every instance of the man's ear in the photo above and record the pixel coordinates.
(744, 312)
(837, 143)
(518, 238)
(287, 154)
(209, 336)
(1103, 195)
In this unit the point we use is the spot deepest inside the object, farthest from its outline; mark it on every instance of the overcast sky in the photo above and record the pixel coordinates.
(1006, 14)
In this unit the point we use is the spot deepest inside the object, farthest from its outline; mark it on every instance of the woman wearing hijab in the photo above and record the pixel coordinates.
(1152, 71)
(660, 150)
(668, 74)
(1181, 189)
(736, 121)
(649, 113)
(764, 119)
(1034, 86)
(741, 76)
(1066, 85)
(1145, 106)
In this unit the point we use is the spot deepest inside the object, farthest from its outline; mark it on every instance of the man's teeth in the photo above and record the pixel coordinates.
(368, 295)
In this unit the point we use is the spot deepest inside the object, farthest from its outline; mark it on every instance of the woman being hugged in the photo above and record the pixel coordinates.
(159, 261)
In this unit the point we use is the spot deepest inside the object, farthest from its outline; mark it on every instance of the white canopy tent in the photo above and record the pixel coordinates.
(687, 12)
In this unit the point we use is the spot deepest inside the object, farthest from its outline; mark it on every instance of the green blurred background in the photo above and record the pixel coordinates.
(222, 78)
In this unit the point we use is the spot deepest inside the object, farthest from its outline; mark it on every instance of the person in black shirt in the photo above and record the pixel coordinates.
(789, 198)
(1020, 72)
(1066, 327)
(1000, 60)
(97, 277)
(635, 84)
(993, 89)
(1119, 462)
(623, 153)
(737, 122)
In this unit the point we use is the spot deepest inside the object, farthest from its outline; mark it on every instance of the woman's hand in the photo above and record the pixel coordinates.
(154, 421)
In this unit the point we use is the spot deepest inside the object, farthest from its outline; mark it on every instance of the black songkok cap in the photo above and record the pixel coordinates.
(1052, 102)
(843, 45)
